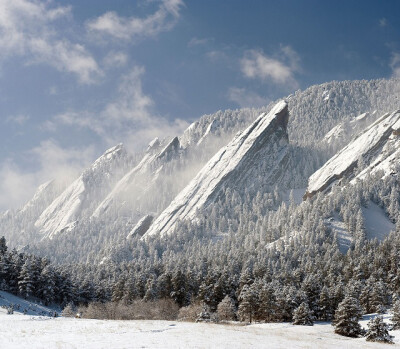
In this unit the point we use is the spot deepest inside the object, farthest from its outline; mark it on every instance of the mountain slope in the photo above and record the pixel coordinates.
(79, 197)
(137, 182)
(368, 146)
(259, 152)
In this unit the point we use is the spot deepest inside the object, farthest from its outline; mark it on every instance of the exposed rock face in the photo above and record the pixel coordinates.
(139, 180)
(82, 193)
(255, 158)
(370, 146)
(346, 130)
(141, 227)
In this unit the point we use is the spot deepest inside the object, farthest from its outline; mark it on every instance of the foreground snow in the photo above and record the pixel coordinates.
(22, 331)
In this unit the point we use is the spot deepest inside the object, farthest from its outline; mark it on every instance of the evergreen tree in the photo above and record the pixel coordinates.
(303, 315)
(248, 299)
(325, 311)
(346, 318)
(396, 315)
(25, 280)
(267, 304)
(118, 290)
(226, 309)
(378, 331)
(47, 286)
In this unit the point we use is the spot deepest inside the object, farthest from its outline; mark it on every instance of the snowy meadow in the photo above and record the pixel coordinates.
(23, 331)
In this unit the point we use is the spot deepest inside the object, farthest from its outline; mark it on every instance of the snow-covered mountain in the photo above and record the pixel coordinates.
(140, 180)
(347, 129)
(376, 146)
(179, 177)
(80, 197)
(256, 157)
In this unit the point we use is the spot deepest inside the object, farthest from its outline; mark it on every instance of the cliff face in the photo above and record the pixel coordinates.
(371, 147)
(141, 179)
(79, 197)
(255, 158)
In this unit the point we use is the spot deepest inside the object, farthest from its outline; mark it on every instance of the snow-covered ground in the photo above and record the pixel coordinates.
(34, 331)
(23, 306)
(23, 331)
(376, 222)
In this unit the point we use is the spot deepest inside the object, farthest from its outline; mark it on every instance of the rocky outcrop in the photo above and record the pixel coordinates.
(80, 196)
(255, 158)
(141, 227)
(368, 146)
(139, 180)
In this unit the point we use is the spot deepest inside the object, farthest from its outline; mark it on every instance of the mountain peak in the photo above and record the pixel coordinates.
(263, 143)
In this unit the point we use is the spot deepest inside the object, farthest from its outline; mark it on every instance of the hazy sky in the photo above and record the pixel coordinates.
(79, 76)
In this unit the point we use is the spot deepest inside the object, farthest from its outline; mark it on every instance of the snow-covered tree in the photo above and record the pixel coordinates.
(378, 331)
(226, 309)
(396, 315)
(347, 316)
(303, 315)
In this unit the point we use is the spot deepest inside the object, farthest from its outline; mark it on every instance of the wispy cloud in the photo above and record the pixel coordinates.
(17, 185)
(245, 98)
(129, 118)
(115, 59)
(114, 26)
(395, 64)
(27, 29)
(383, 22)
(198, 42)
(20, 119)
(279, 69)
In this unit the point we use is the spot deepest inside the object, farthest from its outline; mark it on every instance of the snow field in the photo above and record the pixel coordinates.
(22, 331)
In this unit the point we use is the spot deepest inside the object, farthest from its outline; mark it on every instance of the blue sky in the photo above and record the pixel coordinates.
(77, 77)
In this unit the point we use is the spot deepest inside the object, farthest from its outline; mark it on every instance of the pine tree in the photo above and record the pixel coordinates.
(346, 318)
(118, 290)
(25, 280)
(247, 303)
(3, 245)
(303, 315)
(325, 311)
(47, 285)
(226, 309)
(396, 315)
(378, 331)
(205, 314)
(267, 306)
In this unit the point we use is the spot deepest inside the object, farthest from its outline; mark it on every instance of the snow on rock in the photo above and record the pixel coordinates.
(43, 191)
(154, 144)
(211, 129)
(141, 227)
(69, 206)
(367, 146)
(347, 128)
(170, 149)
(137, 180)
(255, 157)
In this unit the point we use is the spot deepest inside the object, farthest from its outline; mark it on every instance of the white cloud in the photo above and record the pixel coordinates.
(245, 98)
(383, 22)
(53, 162)
(27, 29)
(128, 28)
(115, 59)
(20, 119)
(280, 70)
(198, 42)
(395, 64)
(128, 118)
